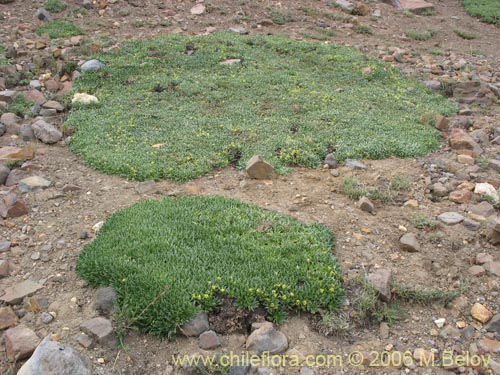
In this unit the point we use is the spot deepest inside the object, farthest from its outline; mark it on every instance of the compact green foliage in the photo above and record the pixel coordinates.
(202, 248)
(487, 10)
(169, 108)
(59, 29)
(54, 6)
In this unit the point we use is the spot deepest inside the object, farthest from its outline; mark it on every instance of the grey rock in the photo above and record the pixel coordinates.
(238, 30)
(239, 370)
(354, 164)
(4, 268)
(433, 84)
(48, 112)
(451, 218)
(344, 4)
(494, 366)
(196, 326)
(267, 339)
(409, 242)
(53, 358)
(42, 15)
(35, 84)
(439, 190)
(104, 298)
(7, 96)
(331, 161)
(259, 169)
(468, 332)
(33, 184)
(92, 65)
(366, 205)
(209, 340)
(483, 209)
(46, 317)
(84, 340)
(15, 176)
(381, 281)
(26, 133)
(384, 331)
(4, 246)
(101, 330)
(15, 294)
(494, 324)
(35, 109)
(471, 225)
(3, 129)
(45, 132)
(4, 173)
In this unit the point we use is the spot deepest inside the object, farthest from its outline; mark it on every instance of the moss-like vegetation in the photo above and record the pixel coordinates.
(59, 29)
(199, 249)
(169, 108)
(486, 10)
(54, 6)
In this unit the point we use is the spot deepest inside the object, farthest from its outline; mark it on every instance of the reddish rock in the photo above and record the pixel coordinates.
(34, 96)
(15, 294)
(476, 271)
(7, 318)
(52, 86)
(493, 268)
(481, 313)
(442, 123)
(20, 342)
(101, 330)
(12, 122)
(489, 346)
(10, 153)
(463, 143)
(12, 206)
(460, 196)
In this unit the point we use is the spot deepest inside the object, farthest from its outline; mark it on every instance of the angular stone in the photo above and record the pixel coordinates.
(4, 173)
(489, 345)
(4, 268)
(196, 326)
(493, 267)
(52, 104)
(354, 164)
(331, 161)
(92, 65)
(45, 132)
(439, 190)
(12, 206)
(7, 96)
(101, 330)
(198, 9)
(12, 122)
(461, 141)
(471, 225)
(442, 123)
(408, 242)
(465, 159)
(451, 218)
(20, 342)
(5, 246)
(7, 318)
(494, 325)
(381, 281)
(482, 258)
(486, 189)
(42, 15)
(209, 340)
(15, 294)
(104, 300)
(476, 271)
(267, 339)
(366, 205)
(481, 313)
(34, 96)
(483, 209)
(344, 4)
(84, 98)
(52, 357)
(83, 340)
(32, 184)
(10, 153)
(415, 6)
(460, 196)
(494, 165)
(15, 176)
(258, 169)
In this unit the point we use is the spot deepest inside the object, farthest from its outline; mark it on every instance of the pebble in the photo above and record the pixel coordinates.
(451, 218)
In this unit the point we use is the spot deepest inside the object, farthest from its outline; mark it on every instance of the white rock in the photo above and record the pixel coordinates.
(488, 190)
(440, 322)
(84, 98)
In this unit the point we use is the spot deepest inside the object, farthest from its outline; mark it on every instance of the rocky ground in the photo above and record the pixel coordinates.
(438, 230)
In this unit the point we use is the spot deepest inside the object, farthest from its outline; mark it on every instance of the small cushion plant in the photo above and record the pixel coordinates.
(178, 107)
(203, 248)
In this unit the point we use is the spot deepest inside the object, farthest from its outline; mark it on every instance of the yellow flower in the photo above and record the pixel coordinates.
(304, 302)
(206, 296)
(222, 290)
(322, 291)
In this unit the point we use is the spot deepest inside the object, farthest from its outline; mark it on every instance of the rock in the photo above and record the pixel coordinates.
(481, 313)
(35, 84)
(476, 271)
(440, 322)
(239, 370)
(489, 345)
(7, 96)
(20, 342)
(258, 169)
(198, 9)
(12, 206)
(52, 104)
(492, 267)
(267, 339)
(384, 331)
(4, 268)
(494, 325)
(45, 132)
(460, 196)
(15, 176)
(9, 153)
(483, 209)
(12, 122)
(104, 300)
(209, 340)
(451, 218)
(92, 65)
(485, 189)
(101, 330)
(46, 317)
(34, 96)
(381, 281)
(15, 294)
(33, 184)
(344, 4)
(494, 366)
(482, 258)
(42, 15)
(433, 84)
(26, 133)
(471, 225)
(442, 123)
(70, 188)
(465, 159)
(5, 246)
(331, 161)
(463, 142)
(7, 318)
(3, 129)
(83, 340)
(196, 326)
(238, 30)
(409, 242)
(439, 190)
(366, 205)
(354, 164)
(52, 357)
(84, 98)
